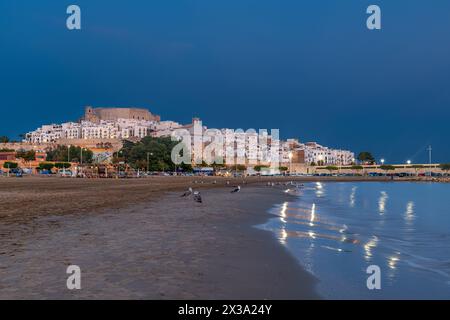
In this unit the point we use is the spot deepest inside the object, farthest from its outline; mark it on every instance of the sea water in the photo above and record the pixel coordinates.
(337, 230)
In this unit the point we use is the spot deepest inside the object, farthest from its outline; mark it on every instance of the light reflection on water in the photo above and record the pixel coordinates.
(402, 227)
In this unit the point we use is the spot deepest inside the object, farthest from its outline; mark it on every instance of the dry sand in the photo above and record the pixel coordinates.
(137, 239)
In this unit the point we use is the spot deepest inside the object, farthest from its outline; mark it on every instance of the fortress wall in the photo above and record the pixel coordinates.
(95, 114)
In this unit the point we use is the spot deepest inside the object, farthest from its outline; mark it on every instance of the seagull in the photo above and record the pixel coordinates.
(214, 182)
(187, 193)
(228, 182)
(197, 197)
(238, 188)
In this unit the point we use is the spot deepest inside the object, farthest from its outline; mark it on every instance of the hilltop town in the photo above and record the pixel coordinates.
(103, 131)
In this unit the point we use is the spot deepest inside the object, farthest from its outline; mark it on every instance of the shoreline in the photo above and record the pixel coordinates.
(22, 199)
(165, 248)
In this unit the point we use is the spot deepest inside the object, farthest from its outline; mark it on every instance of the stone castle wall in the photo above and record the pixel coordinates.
(97, 114)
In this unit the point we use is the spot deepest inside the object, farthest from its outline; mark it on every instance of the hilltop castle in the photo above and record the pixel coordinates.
(95, 115)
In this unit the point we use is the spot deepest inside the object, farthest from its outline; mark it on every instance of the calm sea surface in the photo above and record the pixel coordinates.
(337, 230)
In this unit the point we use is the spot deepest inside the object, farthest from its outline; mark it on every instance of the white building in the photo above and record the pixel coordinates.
(249, 147)
(105, 129)
(164, 128)
(315, 153)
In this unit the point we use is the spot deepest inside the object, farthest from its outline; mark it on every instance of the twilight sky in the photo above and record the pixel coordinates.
(310, 68)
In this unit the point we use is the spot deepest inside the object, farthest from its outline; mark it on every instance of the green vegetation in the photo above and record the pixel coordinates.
(26, 155)
(156, 150)
(45, 166)
(283, 169)
(331, 168)
(72, 154)
(366, 157)
(387, 167)
(240, 167)
(62, 165)
(258, 168)
(445, 167)
(4, 139)
(6, 150)
(10, 165)
(356, 167)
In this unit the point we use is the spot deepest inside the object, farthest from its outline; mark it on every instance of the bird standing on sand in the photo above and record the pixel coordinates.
(187, 193)
(238, 188)
(197, 197)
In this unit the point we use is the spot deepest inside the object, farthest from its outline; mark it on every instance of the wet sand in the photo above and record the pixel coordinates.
(25, 198)
(130, 247)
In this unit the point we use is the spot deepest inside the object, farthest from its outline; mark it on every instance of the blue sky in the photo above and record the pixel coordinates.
(310, 68)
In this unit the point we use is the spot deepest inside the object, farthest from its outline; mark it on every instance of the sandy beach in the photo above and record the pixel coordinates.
(137, 239)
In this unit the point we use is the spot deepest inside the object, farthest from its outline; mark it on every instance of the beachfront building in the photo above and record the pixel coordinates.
(314, 153)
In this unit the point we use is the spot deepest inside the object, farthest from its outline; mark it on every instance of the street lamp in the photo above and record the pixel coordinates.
(382, 161)
(148, 160)
(408, 162)
(68, 159)
(81, 159)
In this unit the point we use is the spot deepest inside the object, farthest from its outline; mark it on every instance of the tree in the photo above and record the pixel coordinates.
(313, 164)
(283, 169)
(27, 156)
(62, 165)
(46, 166)
(4, 139)
(357, 168)
(10, 165)
(258, 168)
(366, 157)
(387, 167)
(241, 167)
(156, 150)
(72, 154)
(331, 168)
(185, 167)
(445, 167)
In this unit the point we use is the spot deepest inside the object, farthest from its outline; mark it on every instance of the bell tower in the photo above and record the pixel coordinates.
(90, 115)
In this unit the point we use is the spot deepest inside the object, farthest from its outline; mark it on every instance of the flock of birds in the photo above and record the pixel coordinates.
(197, 197)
